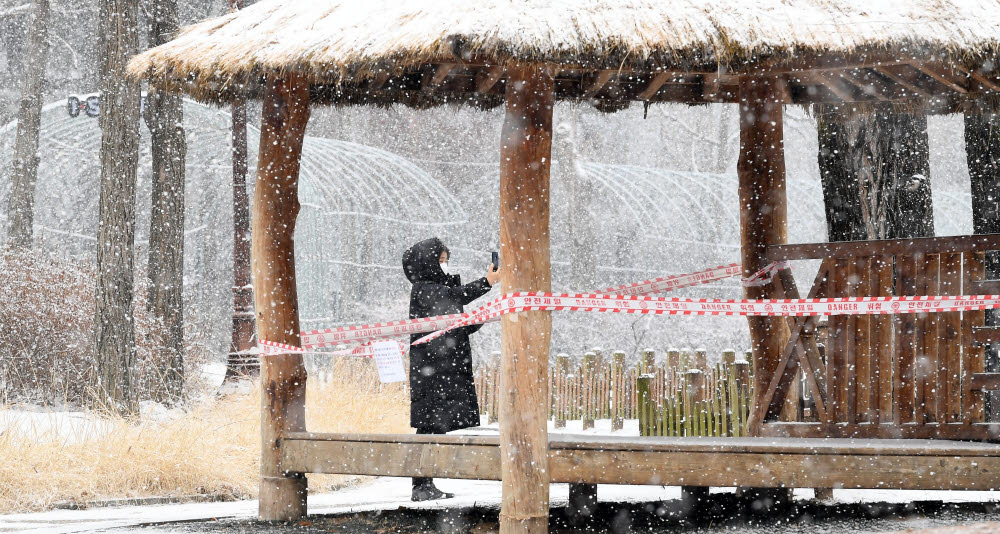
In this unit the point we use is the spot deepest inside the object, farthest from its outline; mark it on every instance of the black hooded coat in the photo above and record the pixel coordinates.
(442, 388)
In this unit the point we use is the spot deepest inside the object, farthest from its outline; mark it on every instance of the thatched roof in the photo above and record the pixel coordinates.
(349, 43)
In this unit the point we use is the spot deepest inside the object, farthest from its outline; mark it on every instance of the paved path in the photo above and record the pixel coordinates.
(393, 493)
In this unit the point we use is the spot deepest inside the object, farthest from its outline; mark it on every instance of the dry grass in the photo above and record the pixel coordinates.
(47, 330)
(213, 448)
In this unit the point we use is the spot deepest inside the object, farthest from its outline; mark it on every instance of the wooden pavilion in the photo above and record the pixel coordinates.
(930, 56)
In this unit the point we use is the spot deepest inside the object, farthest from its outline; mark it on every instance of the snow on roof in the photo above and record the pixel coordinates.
(337, 41)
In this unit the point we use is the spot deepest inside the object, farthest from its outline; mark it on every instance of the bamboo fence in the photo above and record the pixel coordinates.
(679, 396)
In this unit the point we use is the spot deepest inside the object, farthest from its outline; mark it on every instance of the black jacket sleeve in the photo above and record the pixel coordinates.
(463, 295)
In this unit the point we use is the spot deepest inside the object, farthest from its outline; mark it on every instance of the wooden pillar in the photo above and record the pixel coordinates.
(276, 204)
(763, 215)
(525, 152)
(582, 501)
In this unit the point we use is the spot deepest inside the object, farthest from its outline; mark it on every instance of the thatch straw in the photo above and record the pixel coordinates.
(341, 42)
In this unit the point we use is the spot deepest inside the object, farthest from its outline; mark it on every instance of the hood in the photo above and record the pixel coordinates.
(421, 262)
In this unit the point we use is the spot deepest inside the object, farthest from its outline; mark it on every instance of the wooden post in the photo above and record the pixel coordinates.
(525, 157)
(700, 359)
(645, 404)
(589, 366)
(693, 499)
(582, 501)
(561, 389)
(618, 390)
(673, 359)
(763, 215)
(276, 205)
(648, 361)
(494, 414)
(824, 494)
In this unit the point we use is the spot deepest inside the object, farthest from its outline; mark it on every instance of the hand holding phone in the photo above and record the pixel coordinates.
(493, 273)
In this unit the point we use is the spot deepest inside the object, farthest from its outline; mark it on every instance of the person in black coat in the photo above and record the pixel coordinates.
(442, 388)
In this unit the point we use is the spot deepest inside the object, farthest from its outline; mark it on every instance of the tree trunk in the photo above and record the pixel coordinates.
(841, 191)
(119, 121)
(982, 149)
(21, 203)
(876, 174)
(12, 37)
(241, 362)
(164, 117)
(579, 189)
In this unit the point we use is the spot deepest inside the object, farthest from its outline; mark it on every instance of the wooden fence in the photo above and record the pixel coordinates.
(679, 396)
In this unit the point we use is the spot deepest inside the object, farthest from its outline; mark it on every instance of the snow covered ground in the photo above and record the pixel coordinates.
(70, 426)
(378, 494)
(393, 493)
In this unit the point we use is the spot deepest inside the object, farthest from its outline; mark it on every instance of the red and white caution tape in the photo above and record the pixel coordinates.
(364, 350)
(519, 302)
(314, 339)
(364, 334)
(765, 275)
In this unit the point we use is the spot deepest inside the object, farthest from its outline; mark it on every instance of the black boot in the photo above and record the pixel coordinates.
(425, 490)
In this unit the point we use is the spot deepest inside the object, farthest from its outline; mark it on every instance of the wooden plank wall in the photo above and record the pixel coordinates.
(884, 371)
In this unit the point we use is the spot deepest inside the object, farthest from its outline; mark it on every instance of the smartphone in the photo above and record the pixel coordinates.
(495, 259)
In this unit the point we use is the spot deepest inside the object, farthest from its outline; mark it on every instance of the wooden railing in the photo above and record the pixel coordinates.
(907, 375)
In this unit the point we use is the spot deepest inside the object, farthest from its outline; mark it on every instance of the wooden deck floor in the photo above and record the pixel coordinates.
(748, 462)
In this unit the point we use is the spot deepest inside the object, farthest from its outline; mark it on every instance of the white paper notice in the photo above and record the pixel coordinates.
(389, 361)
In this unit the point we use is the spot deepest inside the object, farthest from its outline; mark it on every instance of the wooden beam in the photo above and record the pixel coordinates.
(985, 335)
(712, 85)
(379, 79)
(276, 205)
(836, 86)
(815, 61)
(984, 287)
(985, 381)
(653, 86)
(912, 87)
(976, 74)
(486, 79)
(525, 157)
(934, 72)
(881, 247)
(763, 215)
(885, 430)
(595, 82)
(689, 461)
(433, 77)
(866, 85)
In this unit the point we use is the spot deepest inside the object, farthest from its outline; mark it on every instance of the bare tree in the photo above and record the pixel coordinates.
(21, 202)
(164, 114)
(13, 27)
(119, 120)
(841, 191)
(240, 360)
(875, 170)
(583, 267)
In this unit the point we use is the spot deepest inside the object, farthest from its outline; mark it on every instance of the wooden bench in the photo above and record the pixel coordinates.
(714, 462)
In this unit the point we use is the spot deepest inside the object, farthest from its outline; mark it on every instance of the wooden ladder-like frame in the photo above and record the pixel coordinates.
(908, 375)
